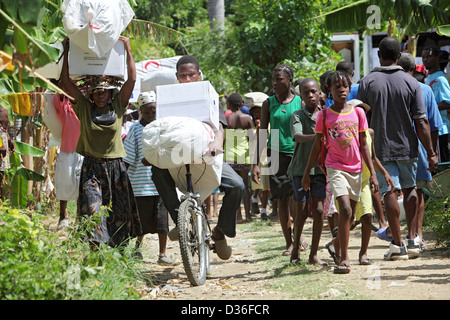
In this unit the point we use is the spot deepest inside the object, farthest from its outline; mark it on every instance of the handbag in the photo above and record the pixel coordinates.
(323, 142)
(106, 118)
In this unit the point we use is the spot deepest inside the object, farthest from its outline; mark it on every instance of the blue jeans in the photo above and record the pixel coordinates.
(231, 184)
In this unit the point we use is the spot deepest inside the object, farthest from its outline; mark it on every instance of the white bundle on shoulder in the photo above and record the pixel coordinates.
(171, 142)
(95, 25)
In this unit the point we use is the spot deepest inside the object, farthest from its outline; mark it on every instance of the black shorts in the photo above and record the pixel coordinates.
(280, 183)
(153, 215)
(317, 189)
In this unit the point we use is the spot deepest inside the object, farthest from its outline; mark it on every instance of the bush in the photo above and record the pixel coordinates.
(36, 263)
(437, 219)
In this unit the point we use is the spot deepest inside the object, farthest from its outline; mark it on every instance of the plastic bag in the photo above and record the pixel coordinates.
(50, 117)
(95, 25)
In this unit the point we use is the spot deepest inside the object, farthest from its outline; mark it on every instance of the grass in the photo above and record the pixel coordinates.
(37, 263)
(300, 281)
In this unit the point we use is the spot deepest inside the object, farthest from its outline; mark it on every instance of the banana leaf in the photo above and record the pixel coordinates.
(27, 150)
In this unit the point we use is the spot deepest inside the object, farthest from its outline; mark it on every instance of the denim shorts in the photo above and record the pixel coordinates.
(402, 172)
(317, 187)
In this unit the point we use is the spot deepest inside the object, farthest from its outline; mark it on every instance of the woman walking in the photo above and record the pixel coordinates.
(104, 180)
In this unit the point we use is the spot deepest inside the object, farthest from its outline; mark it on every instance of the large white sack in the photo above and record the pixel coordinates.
(146, 67)
(152, 73)
(158, 78)
(50, 118)
(171, 142)
(205, 177)
(95, 25)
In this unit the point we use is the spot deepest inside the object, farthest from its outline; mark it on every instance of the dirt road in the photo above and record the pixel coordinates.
(247, 276)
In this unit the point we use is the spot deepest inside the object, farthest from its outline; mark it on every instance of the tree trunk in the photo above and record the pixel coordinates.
(216, 14)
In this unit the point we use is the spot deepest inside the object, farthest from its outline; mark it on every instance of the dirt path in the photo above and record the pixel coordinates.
(246, 275)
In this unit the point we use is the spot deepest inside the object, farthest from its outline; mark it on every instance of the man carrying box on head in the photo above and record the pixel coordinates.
(188, 70)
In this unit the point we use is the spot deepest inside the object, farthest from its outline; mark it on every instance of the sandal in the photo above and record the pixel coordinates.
(332, 252)
(342, 268)
(304, 246)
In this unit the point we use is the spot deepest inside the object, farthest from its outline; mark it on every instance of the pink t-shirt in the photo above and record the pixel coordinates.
(342, 134)
(69, 121)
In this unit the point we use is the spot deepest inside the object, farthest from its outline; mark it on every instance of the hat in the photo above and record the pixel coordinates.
(254, 99)
(356, 102)
(421, 69)
(146, 97)
(101, 85)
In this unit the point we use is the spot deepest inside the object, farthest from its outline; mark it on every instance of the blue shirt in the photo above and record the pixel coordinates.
(351, 95)
(441, 89)
(434, 118)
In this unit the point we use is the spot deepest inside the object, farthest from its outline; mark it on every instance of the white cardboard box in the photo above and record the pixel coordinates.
(82, 62)
(198, 100)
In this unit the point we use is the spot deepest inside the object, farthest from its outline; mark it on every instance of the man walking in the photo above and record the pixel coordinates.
(397, 104)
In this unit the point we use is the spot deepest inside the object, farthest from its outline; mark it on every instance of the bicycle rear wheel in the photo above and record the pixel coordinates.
(192, 242)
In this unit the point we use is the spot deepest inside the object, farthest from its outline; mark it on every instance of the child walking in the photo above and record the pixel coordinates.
(153, 218)
(303, 122)
(344, 129)
(364, 208)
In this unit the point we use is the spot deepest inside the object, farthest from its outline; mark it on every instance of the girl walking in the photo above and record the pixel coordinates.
(344, 129)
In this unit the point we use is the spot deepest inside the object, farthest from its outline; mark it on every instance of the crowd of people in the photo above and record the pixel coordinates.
(320, 148)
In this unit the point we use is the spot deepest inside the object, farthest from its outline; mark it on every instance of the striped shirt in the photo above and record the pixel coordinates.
(140, 175)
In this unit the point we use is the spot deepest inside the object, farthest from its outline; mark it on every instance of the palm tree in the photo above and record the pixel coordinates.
(413, 16)
(216, 14)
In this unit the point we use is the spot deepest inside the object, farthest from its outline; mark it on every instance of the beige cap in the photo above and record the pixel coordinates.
(254, 99)
(356, 102)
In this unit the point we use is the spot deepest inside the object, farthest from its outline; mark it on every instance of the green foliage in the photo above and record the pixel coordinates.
(258, 36)
(17, 176)
(414, 15)
(38, 264)
(437, 219)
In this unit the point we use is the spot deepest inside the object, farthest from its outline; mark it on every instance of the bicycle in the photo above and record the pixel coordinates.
(194, 235)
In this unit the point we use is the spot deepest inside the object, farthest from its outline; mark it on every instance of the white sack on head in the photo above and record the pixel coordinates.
(96, 25)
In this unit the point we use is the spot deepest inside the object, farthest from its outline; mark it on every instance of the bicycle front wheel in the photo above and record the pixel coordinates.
(192, 242)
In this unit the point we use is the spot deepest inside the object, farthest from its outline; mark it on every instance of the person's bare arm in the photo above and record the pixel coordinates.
(128, 86)
(424, 135)
(365, 152)
(256, 173)
(313, 156)
(68, 85)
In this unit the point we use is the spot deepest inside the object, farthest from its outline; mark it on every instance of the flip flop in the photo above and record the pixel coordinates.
(342, 268)
(222, 249)
(382, 234)
(332, 252)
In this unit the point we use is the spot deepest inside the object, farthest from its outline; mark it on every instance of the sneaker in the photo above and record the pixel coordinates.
(62, 224)
(173, 234)
(138, 254)
(413, 245)
(163, 260)
(396, 252)
(264, 216)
